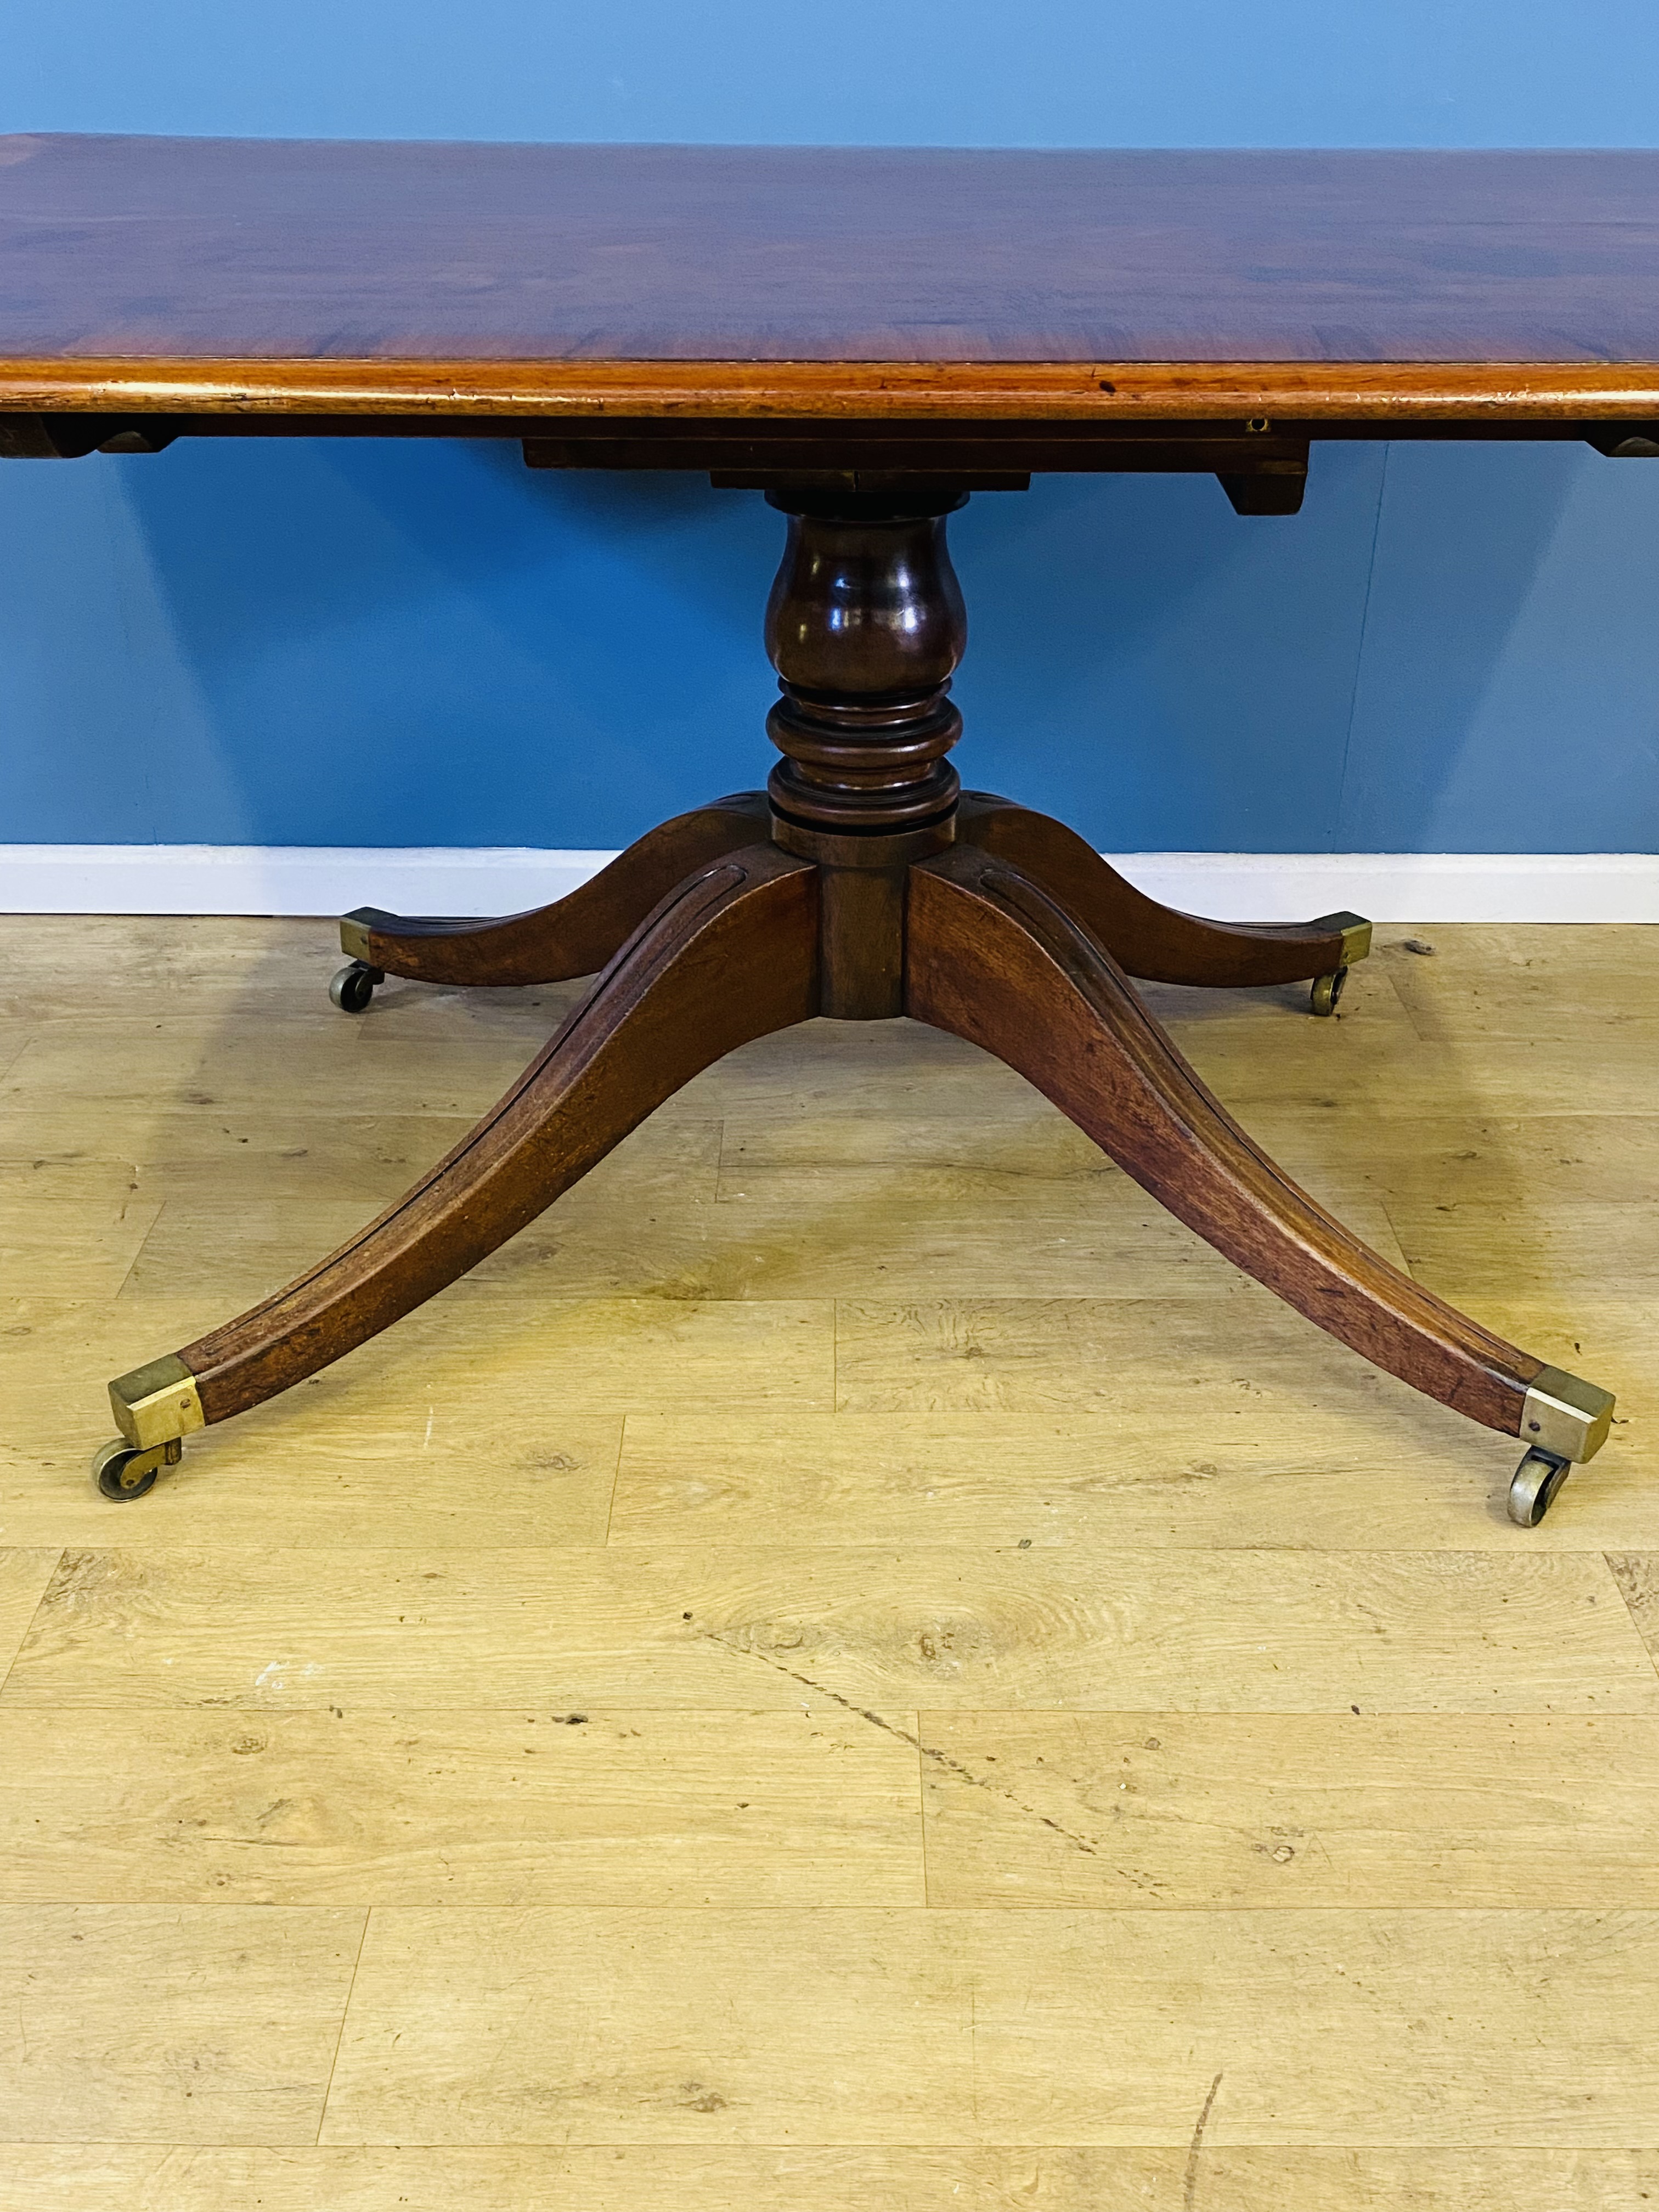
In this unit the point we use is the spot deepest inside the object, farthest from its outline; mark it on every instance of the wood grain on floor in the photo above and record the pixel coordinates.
(855, 1667)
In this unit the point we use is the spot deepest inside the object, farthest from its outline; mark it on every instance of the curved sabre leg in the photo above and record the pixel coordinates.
(575, 936)
(1149, 939)
(730, 956)
(994, 957)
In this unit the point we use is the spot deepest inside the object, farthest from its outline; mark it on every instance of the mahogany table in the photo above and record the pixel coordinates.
(867, 335)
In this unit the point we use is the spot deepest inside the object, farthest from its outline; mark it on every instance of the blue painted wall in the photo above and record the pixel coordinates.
(1451, 648)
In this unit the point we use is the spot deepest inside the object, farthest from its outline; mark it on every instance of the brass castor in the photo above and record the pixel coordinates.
(1326, 990)
(123, 1472)
(1539, 1477)
(354, 986)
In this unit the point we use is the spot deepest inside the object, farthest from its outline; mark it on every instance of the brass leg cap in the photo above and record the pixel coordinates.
(1565, 1415)
(155, 1403)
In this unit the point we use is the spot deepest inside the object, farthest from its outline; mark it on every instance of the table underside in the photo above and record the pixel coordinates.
(1260, 459)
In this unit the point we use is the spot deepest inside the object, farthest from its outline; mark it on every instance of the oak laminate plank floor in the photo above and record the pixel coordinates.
(384, 1449)
(597, 1355)
(1363, 2027)
(779, 1231)
(1038, 1356)
(1467, 1250)
(1403, 1079)
(84, 1239)
(1569, 1158)
(975, 1476)
(185, 1150)
(170, 2024)
(14, 1038)
(24, 1577)
(1247, 1631)
(411, 1484)
(635, 2178)
(1265, 1811)
(235, 1064)
(659, 1183)
(1408, 1044)
(486, 1807)
(1547, 982)
(1237, 1460)
(1046, 1171)
(1638, 1577)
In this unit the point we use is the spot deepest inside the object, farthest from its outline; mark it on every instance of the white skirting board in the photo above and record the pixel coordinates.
(298, 879)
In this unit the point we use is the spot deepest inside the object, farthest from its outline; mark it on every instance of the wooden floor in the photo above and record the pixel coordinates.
(855, 1667)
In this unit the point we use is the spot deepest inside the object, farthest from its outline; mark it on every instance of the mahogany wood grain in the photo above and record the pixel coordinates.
(379, 250)
(575, 935)
(1145, 938)
(993, 958)
(729, 956)
(730, 282)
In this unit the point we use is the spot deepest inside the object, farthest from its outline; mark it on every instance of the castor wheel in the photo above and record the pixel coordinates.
(1537, 1479)
(354, 986)
(1326, 990)
(123, 1472)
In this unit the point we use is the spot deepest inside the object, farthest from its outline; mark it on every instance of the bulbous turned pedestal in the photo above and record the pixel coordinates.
(864, 626)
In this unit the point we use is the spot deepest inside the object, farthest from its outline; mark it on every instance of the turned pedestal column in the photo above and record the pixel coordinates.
(864, 626)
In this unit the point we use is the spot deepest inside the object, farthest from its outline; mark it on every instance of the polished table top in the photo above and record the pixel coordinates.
(324, 276)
